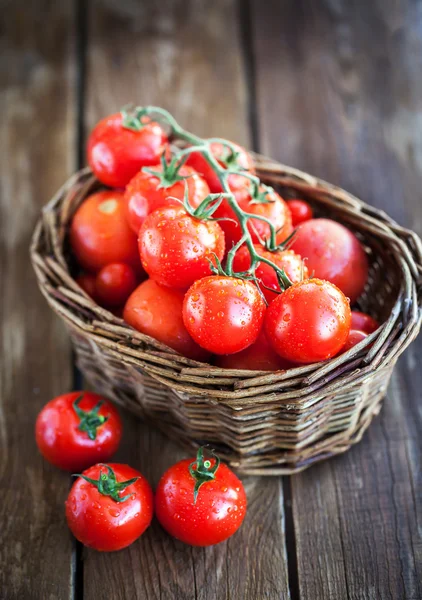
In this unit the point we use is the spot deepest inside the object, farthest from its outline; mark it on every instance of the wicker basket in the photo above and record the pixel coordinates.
(260, 422)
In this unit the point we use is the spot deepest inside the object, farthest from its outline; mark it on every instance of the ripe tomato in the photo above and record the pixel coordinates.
(99, 233)
(226, 158)
(363, 322)
(200, 502)
(157, 312)
(285, 259)
(259, 356)
(109, 507)
(76, 430)
(114, 284)
(176, 248)
(146, 192)
(308, 322)
(333, 253)
(300, 211)
(116, 153)
(223, 314)
(271, 206)
(355, 336)
(87, 282)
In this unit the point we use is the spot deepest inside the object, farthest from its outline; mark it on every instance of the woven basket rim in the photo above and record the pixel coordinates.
(237, 387)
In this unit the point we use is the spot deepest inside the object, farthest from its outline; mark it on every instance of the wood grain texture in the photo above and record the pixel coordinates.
(339, 94)
(186, 57)
(36, 137)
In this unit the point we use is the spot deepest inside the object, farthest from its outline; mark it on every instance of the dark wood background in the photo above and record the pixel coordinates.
(333, 87)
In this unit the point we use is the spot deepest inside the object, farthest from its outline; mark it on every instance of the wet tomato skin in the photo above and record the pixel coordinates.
(98, 521)
(243, 161)
(176, 248)
(284, 259)
(144, 193)
(157, 311)
(62, 443)
(309, 322)
(275, 210)
(259, 356)
(300, 211)
(363, 322)
(116, 154)
(355, 336)
(333, 253)
(223, 314)
(217, 514)
(99, 233)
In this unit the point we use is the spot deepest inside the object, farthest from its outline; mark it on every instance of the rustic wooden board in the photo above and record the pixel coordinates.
(36, 132)
(185, 56)
(339, 95)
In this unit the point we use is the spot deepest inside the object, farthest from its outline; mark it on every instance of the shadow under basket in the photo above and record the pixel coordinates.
(260, 423)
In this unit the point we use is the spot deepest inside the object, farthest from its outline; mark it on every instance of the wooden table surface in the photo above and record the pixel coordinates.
(333, 87)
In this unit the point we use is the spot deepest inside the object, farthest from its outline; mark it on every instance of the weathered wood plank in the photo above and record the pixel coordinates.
(186, 57)
(36, 134)
(339, 94)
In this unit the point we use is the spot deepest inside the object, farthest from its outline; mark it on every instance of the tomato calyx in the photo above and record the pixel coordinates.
(107, 484)
(261, 194)
(134, 118)
(230, 157)
(202, 470)
(90, 420)
(170, 173)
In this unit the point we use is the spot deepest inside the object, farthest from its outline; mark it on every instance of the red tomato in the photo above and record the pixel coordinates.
(114, 284)
(355, 336)
(76, 430)
(258, 357)
(109, 507)
(308, 322)
(223, 314)
(200, 502)
(300, 211)
(146, 192)
(363, 322)
(116, 153)
(272, 207)
(176, 248)
(100, 235)
(333, 253)
(87, 282)
(157, 312)
(225, 157)
(285, 259)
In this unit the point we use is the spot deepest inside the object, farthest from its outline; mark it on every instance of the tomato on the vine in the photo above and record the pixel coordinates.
(76, 430)
(114, 284)
(240, 159)
(267, 204)
(118, 147)
(176, 248)
(333, 253)
(287, 260)
(223, 314)
(157, 187)
(309, 322)
(109, 506)
(363, 322)
(100, 234)
(300, 211)
(355, 336)
(157, 311)
(200, 501)
(259, 356)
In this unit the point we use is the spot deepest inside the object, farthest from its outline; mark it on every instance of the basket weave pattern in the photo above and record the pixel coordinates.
(261, 423)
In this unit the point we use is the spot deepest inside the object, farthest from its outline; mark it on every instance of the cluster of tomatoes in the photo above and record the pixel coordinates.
(152, 249)
(199, 501)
